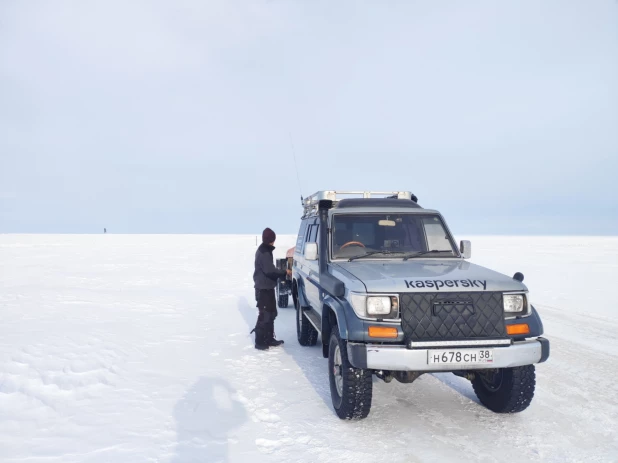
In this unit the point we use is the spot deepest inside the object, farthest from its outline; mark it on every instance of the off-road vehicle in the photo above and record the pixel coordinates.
(382, 281)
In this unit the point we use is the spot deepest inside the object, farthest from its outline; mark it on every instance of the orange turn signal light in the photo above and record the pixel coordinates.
(521, 328)
(382, 332)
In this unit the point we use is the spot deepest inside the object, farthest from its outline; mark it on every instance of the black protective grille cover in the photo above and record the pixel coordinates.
(452, 316)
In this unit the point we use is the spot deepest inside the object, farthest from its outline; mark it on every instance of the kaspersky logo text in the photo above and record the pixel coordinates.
(438, 284)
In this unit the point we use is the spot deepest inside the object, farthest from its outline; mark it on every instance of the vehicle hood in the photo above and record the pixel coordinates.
(427, 275)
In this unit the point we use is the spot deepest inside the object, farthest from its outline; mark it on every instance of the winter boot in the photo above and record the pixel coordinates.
(261, 342)
(270, 333)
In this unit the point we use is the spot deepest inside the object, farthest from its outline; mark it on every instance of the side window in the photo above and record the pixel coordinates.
(302, 233)
(309, 233)
(312, 234)
(306, 238)
(313, 238)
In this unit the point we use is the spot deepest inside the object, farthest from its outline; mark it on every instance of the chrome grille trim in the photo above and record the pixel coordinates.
(474, 342)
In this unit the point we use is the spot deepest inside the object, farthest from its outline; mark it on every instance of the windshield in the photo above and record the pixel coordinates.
(377, 235)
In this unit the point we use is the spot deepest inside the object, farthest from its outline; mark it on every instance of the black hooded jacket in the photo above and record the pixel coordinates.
(266, 274)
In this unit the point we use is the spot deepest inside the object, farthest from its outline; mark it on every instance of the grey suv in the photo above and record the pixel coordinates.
(383, 282)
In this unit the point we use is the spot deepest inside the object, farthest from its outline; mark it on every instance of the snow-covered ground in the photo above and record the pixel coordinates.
(136, 349)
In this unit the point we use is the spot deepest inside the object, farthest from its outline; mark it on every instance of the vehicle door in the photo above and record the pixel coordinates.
(312, 282)
(301, 268)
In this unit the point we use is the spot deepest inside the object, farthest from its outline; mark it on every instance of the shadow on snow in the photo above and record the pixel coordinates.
(205, 417)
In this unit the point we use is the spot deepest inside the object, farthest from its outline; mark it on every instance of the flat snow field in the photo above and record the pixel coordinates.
(137, 349)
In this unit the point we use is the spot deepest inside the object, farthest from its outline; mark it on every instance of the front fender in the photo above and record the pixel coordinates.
(337, 307)
(535, 323)
(350, 326)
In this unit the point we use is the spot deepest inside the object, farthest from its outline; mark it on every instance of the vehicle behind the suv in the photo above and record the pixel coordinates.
(392, 295)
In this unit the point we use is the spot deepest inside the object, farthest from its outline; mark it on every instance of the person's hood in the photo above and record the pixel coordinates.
(426, 275)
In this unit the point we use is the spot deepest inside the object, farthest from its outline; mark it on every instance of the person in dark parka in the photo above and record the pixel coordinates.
(265, 278)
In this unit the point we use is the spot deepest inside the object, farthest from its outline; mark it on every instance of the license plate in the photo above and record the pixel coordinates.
(460, 356)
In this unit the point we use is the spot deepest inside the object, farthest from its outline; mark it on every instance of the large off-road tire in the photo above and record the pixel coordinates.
(305, 331)
(350, 388)
(505, 390)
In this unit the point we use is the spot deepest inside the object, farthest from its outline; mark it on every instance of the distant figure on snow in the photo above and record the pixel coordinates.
(105, 230)
(265, 278)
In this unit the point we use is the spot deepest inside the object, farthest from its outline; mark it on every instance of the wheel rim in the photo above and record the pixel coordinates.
(337, 371)
(492, 379)
(299, 318)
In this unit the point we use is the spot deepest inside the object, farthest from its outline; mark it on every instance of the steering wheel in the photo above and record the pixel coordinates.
(353, 243)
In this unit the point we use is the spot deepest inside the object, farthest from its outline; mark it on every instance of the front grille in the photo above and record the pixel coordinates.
(452, 316)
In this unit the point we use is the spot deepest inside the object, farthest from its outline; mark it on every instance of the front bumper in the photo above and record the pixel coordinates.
(400, 358)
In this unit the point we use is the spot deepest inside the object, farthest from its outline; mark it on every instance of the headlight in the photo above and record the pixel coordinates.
(378, 305)
(375, 306)
(514, 303)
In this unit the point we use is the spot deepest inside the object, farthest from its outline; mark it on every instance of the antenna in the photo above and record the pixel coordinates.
(296, 167)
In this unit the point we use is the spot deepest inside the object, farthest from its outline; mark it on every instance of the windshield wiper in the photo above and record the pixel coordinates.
(420, 253)
(370, 253)
(406, 257)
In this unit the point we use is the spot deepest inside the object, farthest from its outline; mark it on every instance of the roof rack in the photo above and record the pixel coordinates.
(310, 203)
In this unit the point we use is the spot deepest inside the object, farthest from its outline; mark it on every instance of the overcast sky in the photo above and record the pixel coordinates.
(179, 116)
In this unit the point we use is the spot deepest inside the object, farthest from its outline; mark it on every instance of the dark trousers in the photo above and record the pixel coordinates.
(267, 306)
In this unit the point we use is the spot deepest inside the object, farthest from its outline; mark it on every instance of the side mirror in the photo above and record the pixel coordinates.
(465, 247)
(311, 251)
